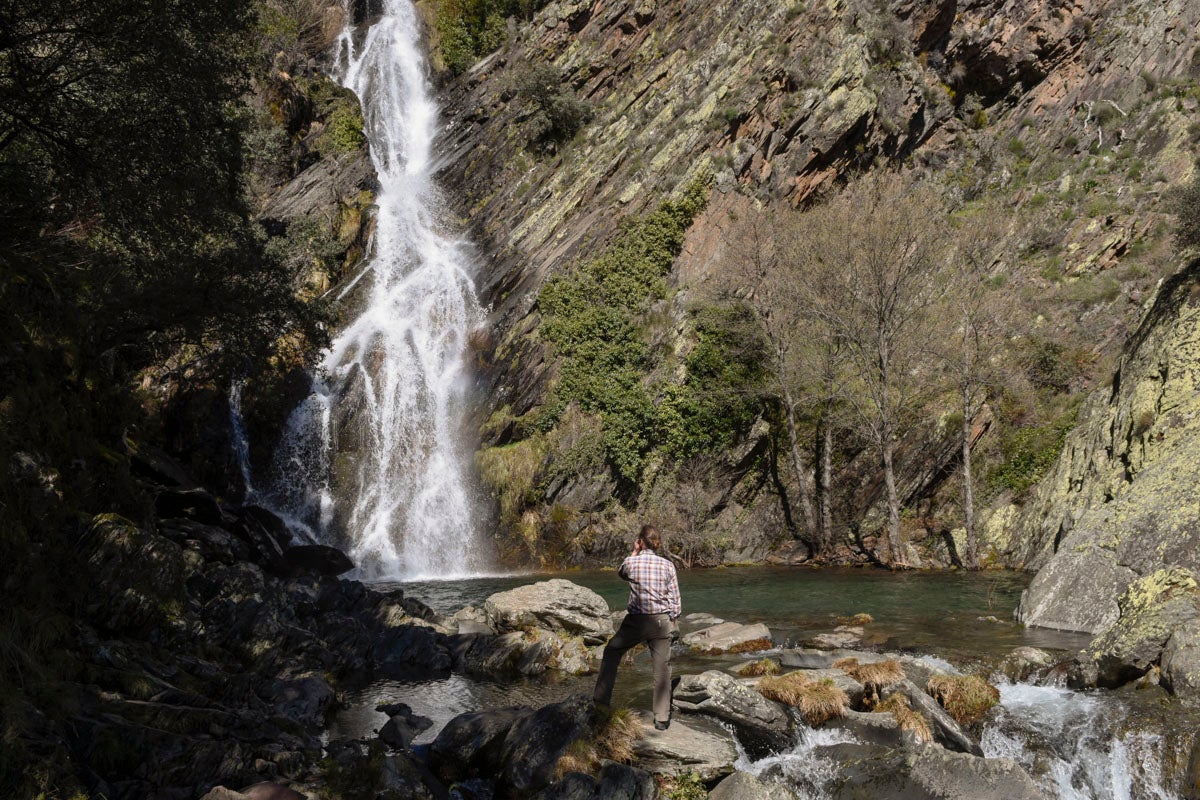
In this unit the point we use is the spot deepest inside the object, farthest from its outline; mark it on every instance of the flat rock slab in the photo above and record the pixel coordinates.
(946, 731)
(730, 636)
(762, 724)
(814, 658)
(689, 745)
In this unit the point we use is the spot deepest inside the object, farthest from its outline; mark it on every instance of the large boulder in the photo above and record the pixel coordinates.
(931, 773)
(1152, 608)
(557, 605)
(1026, 663)
(319, 559)
(762, 724)
(869, 727)
(689, 745)
(730, 637)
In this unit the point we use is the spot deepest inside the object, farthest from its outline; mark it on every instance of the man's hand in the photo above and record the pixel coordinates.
(674, 631)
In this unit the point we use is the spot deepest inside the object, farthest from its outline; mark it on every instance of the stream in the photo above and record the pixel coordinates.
(1124, 745)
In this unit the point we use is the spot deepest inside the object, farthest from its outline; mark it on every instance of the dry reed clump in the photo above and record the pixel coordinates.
(611, 739)
(764, 666)
(817, 701)
(752, 646)
(966, 697)
(873, 676)
(910, 721)
(857, 619)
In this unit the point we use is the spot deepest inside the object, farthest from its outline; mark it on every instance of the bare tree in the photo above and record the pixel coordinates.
(975, 331)
(755, 275)
(872, 275)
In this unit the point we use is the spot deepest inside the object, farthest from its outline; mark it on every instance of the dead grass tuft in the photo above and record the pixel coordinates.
(966, 697)
(910, 721)
(611, 739)
(752, 646)
(764, 666)
(873, 676)
(817, 701)
(857, 619)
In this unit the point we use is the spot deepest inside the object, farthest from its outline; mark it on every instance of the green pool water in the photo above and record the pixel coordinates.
(959, 616)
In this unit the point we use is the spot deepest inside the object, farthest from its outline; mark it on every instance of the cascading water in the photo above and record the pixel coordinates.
(373, 458)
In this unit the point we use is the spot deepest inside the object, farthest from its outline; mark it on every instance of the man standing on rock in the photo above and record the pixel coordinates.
(653, 613)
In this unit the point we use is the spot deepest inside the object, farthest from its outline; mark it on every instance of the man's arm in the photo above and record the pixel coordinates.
(673, 589)
(623, 570)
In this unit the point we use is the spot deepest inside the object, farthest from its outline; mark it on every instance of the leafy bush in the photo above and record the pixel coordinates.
(468, 29)
(1185, 205)
(557, 113)
(343, 131)
(589, 314)
(1028, 452)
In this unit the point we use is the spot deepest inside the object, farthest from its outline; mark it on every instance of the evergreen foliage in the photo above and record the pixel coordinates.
(469, 29)
(591, 316)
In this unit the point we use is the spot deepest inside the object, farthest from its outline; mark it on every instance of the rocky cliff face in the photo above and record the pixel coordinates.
(1115, 527)
(1076, 117)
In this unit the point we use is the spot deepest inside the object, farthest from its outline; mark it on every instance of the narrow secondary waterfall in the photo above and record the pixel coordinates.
(374, 458)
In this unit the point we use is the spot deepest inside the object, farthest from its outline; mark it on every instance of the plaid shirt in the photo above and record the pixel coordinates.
(653, 585)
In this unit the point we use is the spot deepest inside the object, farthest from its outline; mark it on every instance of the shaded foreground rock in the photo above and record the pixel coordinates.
(616, 782)
(471, 745)
(689, 745)
(929, 773)
(730, 637)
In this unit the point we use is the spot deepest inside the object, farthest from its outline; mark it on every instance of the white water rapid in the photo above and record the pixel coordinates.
(374, 458)
(1073, 744)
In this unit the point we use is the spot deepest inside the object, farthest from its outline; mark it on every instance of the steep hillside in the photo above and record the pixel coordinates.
(1068, 122)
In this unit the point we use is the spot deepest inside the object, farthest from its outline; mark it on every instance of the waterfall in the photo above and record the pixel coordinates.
(375, 459)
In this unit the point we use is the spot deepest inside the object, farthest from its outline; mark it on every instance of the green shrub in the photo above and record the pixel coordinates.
(343, 131)
(557, 113)
(1185, 205)
(469, 29)
(589, 315)
(1028, 452)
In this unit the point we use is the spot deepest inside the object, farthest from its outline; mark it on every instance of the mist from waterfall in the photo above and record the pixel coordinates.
(375, 459)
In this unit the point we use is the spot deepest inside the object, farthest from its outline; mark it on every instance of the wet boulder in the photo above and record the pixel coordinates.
(730, 637)
(556, 605)
(305, 699)
(744, 786)
(869, 727)
(193, 504)
(762, 724)
(1026, 663)
(842, 636)
(930, 773)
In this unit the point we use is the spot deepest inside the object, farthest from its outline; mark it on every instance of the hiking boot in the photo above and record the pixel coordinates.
(661, 726)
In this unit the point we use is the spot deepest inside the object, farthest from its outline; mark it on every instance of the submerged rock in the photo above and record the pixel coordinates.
(557, 605)
(730, 637)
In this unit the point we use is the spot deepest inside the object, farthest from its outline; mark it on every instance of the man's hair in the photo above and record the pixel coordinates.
(650, 538)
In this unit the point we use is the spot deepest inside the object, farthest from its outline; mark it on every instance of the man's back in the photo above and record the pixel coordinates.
(653, 584)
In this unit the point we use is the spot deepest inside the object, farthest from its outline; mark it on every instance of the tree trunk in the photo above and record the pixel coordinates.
(824, 481)
(968, 485)
(895, 554)
(802, 479)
